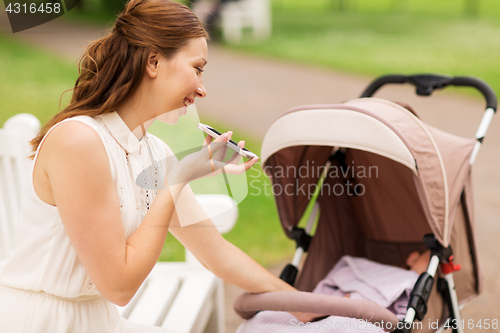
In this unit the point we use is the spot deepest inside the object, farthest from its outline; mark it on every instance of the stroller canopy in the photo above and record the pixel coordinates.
(427, 181)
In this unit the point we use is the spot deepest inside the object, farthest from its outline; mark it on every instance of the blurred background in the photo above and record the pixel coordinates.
(266, 56)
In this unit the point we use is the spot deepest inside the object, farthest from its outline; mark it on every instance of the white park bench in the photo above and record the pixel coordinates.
(182, 296)
(237, 16)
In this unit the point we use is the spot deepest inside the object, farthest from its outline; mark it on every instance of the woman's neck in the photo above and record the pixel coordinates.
(137, 120)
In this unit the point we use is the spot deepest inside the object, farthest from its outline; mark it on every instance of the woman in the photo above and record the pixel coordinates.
(88, 235)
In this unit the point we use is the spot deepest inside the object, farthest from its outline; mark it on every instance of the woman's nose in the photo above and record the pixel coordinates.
(201, 92)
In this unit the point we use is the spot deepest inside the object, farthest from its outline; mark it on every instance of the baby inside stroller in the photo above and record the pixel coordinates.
(377, 183)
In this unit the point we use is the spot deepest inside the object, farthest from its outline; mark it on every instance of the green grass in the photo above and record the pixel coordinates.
(377, 37)
(32, 82)
(488, 8)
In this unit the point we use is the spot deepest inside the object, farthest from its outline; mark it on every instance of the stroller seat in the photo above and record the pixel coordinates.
(378, 183)
(361, 279)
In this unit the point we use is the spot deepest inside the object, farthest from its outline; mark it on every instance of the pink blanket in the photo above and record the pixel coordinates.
(389, 286)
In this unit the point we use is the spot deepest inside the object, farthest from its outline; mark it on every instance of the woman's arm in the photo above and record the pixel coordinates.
(79, 174)
(228, 262)
(223, 258)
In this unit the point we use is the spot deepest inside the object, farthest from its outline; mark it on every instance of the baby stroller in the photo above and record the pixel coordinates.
(420, 198)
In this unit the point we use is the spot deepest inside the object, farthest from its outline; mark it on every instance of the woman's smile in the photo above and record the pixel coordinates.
(187, 101)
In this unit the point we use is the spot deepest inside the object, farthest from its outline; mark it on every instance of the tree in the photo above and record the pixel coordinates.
(113, 6)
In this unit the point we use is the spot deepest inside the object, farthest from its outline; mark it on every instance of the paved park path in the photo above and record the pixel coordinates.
(251, 92)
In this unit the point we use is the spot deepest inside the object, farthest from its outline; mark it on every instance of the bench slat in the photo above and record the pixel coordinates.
(155, 301)
(193, 305)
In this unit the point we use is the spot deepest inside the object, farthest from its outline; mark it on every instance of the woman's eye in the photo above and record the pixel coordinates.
(199, 70)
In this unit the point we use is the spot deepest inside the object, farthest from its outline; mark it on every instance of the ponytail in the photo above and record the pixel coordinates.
(112, 67)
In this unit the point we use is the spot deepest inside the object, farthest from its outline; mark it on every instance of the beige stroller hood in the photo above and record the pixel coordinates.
(410, 179)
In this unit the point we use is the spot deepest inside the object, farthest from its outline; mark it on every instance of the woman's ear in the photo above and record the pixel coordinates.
(152, 65)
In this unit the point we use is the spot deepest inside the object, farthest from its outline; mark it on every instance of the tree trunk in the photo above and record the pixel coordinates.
(471, 8)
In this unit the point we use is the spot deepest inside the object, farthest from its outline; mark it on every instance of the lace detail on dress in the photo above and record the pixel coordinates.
(151, 193)
(120, 198)
(147, 173)
(121, 194)
(89, 286)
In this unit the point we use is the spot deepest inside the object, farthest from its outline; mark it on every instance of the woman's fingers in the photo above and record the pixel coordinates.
(207, 141)
(211, 157)
(248, 164)
(211, 149)
(235, 169)
(236, 158)
(221, 154)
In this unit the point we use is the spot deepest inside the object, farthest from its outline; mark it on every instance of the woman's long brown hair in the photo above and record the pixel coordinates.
(112, 67)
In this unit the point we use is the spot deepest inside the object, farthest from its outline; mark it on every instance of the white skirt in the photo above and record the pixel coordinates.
(24, 311)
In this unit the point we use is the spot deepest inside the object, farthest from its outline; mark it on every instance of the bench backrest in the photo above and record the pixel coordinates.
(14, 165)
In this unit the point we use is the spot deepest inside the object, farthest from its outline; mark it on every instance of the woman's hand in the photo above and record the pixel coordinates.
(311, 317)
(209, 161)
(308, 317)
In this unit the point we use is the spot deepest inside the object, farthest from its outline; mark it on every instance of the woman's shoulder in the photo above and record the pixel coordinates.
(77, 132)
(79, 128)
(76, 121)
(93, 122)
(78, 139)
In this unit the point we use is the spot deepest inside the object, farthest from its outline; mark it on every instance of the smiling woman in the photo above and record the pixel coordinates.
(88, 234)
(180, 76)
(112, 68)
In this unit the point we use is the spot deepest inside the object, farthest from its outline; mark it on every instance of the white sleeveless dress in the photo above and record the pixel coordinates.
(44, 287)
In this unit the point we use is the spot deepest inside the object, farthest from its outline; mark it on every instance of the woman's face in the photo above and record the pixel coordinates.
(180, 79)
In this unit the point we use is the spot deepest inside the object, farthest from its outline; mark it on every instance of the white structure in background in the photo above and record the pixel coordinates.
(182, 296)
(236, 16)
(14, 164)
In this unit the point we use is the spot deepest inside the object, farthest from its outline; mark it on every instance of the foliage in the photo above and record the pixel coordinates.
(32, 81)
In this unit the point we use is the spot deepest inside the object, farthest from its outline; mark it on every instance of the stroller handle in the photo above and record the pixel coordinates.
(427, 83)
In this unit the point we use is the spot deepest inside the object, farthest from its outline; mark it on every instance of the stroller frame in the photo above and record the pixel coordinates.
(441, 257)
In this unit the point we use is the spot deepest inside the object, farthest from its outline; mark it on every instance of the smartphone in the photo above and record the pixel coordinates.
(231, 144)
